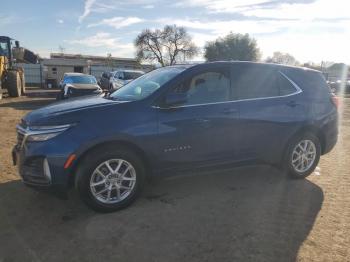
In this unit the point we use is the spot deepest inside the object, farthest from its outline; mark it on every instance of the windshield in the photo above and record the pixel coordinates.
(145, 85)
(132, 75)
(80, 80)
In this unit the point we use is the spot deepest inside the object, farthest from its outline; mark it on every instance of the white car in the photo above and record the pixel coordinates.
(122, 77)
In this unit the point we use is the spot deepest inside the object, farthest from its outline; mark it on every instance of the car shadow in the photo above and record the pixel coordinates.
(244, 214)
(27, 105)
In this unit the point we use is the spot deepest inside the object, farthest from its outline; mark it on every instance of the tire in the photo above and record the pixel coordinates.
(87, 175)
(13, 83)
(295, 158)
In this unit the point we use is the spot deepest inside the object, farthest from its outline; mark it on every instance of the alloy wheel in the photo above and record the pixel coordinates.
(113, 181)
(303, 156)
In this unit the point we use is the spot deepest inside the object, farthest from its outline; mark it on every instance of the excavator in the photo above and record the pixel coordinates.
(11, 74)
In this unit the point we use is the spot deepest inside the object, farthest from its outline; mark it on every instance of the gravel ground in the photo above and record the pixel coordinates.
(244, 214)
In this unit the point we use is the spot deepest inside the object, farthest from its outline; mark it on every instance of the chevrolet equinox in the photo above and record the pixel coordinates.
(178, 118)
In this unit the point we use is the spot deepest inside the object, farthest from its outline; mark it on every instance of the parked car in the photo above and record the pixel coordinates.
(77, 84)
(105, 80)
(175, 119)
(121, 78)
(340, 86)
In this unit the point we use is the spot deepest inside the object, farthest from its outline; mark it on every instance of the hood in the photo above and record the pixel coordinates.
(67, 107)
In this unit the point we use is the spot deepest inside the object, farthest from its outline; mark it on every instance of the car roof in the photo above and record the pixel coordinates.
(271, 65)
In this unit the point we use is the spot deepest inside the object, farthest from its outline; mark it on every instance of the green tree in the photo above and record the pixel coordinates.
(166, 46)
(282, 58)
(232, 47)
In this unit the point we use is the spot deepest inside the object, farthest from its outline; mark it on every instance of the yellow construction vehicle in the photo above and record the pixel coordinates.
(12, 75)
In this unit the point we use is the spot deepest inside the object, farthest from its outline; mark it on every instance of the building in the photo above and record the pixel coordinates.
(338, 71)
(58, 64)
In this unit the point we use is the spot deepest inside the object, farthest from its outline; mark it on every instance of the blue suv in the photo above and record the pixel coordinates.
(174, 119)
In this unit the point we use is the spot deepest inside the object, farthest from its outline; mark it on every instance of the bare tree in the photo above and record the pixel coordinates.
(167, 46)
(282, 58)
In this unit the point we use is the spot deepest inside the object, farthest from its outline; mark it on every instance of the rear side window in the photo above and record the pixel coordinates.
(206, 87)
(255, 82)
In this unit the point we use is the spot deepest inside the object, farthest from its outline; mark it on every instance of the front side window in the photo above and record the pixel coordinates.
(147, 84)
(206, 87)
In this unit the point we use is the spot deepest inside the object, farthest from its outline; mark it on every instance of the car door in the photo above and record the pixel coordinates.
(269, 112)
(201, 131)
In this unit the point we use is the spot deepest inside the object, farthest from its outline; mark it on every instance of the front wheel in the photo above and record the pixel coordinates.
(14, 84)
(110, 179)
(303, 155)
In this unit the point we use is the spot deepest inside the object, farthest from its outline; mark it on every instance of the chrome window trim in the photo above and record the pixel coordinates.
(298, 90)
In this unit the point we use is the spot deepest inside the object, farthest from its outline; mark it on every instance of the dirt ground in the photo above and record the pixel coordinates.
(244, 214)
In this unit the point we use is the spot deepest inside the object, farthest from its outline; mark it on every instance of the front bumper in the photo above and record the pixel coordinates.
(34, 171)
(39, 170)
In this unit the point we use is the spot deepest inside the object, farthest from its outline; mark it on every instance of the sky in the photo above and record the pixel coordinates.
(310, 30)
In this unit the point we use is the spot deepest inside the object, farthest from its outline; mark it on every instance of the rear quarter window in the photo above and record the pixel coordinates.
(285, 86)
(312, 83)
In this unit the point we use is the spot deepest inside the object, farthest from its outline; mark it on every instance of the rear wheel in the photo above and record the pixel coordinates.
(110, 179)
(13, 83)
(303, 155)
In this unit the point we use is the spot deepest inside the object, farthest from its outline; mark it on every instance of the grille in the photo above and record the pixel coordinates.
(81, 92)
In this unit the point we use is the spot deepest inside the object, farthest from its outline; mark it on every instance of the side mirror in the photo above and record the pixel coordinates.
(175, 99)
(17, 44)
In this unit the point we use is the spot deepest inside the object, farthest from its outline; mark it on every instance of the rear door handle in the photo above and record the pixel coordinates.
(204, 122)
(292, 103)
(230, 110)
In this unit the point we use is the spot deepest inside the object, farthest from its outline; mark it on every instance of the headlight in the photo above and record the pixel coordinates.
(43, 133)
(41, 137)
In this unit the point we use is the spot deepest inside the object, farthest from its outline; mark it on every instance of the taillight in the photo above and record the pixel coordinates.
(336, 101)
